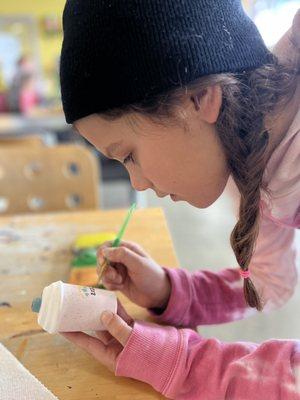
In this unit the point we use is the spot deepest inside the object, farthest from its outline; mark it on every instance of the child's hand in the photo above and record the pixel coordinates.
(135, 274)
(110, 343)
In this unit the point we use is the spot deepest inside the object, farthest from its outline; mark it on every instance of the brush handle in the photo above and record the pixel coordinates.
(102, 268)
(118, 239)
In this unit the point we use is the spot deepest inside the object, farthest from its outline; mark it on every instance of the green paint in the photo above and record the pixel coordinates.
(86, 258)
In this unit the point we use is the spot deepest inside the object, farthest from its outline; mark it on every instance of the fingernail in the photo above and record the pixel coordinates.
(106, 316)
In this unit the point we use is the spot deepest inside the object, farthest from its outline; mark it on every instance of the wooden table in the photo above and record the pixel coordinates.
(16, 124)
(35, 251)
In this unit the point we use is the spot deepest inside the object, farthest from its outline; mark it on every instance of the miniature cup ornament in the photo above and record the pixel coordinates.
(72, 308)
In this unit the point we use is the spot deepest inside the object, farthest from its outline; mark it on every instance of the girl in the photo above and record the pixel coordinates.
(185, 94)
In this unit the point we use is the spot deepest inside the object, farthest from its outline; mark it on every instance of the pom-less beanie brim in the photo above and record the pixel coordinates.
(117, 53)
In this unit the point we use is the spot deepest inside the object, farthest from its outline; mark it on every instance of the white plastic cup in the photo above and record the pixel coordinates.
(72, 308)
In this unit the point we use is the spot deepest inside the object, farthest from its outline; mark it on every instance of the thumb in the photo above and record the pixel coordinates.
(116, 326)
(124, 256)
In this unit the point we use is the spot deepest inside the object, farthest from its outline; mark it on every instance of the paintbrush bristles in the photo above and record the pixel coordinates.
(101, 269)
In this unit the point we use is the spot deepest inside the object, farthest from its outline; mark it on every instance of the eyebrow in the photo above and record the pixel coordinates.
(112, 148)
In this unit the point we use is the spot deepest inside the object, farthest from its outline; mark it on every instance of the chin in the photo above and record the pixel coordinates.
(200, 204)
(208, 201)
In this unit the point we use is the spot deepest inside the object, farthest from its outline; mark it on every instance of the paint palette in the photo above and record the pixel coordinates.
(84, 264)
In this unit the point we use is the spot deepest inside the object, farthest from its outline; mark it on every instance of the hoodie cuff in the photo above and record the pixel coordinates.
(152, 354)
(175, 311)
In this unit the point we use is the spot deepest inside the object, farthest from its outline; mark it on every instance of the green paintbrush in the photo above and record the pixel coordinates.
(116, 242)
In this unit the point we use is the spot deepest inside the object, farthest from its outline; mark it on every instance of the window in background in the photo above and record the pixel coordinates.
(18, 36)
(20, 68)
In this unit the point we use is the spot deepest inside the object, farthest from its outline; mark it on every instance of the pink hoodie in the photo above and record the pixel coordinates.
(181, 364)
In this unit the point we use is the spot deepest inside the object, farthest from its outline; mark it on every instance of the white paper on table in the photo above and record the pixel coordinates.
(17, 383)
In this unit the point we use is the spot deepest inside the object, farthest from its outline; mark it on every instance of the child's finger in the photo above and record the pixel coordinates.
(121, 271)
(92, 345)
(113, 275)
(123, 314)
(123, 255)
(100, 249)
(104, 336)
(134, 247)
(116, 326)
(111, 285)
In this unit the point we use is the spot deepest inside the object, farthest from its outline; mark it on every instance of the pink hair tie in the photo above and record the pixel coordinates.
(244, 274)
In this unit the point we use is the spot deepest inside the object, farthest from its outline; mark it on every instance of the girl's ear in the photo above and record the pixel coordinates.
(208, 103)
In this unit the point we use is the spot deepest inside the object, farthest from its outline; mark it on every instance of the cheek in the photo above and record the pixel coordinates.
(158, 173)
(194, 176)
(205, 178)
(153, 165)
(168, 171)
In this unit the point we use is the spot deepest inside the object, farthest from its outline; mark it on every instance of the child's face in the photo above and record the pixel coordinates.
(186, 163)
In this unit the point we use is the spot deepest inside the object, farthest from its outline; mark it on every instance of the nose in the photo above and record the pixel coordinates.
(139, 182)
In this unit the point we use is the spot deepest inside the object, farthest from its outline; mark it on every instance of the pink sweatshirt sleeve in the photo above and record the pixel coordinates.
(207, 297)
(182, 365)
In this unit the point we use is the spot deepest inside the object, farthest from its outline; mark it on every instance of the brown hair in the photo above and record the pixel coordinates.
(248, 97)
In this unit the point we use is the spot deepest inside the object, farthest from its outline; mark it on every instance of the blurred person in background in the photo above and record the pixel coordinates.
(23, 94)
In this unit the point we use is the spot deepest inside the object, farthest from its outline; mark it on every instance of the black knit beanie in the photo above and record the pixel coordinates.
(119, 52)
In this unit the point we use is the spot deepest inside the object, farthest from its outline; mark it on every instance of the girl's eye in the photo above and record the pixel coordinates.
(128, 159)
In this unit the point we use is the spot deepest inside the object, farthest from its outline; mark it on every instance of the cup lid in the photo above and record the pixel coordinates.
(36, 304)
